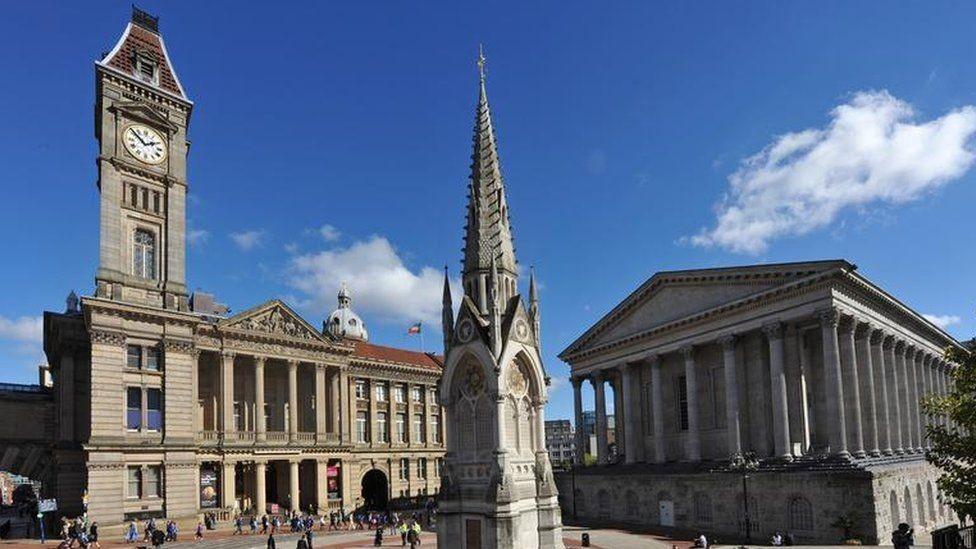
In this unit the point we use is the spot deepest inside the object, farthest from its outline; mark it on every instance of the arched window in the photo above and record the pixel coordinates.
(895, 516)
(920, 501)
(928, 488)
(801, 514)
(144, 254)
(909, 512)
(703, 508)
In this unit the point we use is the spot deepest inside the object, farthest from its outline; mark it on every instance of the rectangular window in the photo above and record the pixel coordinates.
(154, 484)
(144, 254)
(134, 484)
(435, 428)
(381, 423)
(154, 409)
(361, 427)
(422, 468)
(381, 392)
(438, 463)
(418, 428)
(401, 427)
(133, 408)
(133, 356)
(416, 393)
(682, 401)
(361, 389)
(404, 469)
(400, 393)
(435, 396)
(153, 358)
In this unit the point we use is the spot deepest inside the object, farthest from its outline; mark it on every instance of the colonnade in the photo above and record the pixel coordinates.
(259, 469)
(873, 379)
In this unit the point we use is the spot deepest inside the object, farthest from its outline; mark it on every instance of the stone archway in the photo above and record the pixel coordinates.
(375, 490)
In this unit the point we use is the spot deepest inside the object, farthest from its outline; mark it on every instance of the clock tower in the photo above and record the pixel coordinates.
(141, 118)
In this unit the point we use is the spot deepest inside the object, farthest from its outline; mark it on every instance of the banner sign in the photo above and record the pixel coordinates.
(332, 481)
(209, 488)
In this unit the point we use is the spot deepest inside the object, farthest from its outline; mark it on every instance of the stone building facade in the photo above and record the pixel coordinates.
(164, 405)
(809, 368)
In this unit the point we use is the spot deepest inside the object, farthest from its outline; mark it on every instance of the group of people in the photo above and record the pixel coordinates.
(79, 532)
(155, 535)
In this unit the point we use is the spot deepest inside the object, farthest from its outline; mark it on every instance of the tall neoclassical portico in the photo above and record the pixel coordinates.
(795, 364)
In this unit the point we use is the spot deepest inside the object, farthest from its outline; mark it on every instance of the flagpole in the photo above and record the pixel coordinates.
(421, 337)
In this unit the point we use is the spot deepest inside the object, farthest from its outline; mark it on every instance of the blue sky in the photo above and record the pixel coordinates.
(332, 142)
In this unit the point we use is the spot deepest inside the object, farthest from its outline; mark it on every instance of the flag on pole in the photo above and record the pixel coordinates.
(414, 329)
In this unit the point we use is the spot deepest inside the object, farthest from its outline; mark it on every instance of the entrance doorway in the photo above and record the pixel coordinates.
(375, 490)
(666, 509)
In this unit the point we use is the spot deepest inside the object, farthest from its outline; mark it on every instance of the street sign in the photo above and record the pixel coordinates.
(46, 505)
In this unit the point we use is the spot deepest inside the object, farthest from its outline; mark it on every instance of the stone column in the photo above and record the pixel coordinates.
(852, 390)
(895, 394)
(601, 417)
(911, 397)
(777, 376)
(227, 392)
(657, 408)
(345, 408)
(915, 366)
(292, 400)
(619, 413)
(260, 490)
(228, 485)
(796, 387)
(371, 415)
(322, 485)
(335, 407)
(927, 366)
(833, 384)
(942, 371)
(904, 397)
(409, 426)
(578, 416)
(260, 422)
(693, 442)
(321, 411)
(874, 339)
(733, 433)
(866, 388)
(293, 484)
(627, 396)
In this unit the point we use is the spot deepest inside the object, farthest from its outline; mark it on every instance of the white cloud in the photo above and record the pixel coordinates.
(197, 237)
(382, 287)
(872, 152)
(943, 321)
(248, 240)
(329, 233)
(26, 328)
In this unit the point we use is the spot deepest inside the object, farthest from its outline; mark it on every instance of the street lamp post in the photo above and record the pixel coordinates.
(743, 464)
(745, 506)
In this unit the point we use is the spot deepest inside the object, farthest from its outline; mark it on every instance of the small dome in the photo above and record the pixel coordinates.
(343, 322)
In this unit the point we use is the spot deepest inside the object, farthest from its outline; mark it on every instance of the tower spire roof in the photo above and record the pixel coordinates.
(488, 234)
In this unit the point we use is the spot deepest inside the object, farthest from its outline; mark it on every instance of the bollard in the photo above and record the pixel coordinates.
(585, 539)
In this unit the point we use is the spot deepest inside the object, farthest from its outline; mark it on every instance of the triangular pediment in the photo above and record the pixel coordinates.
(273, 318)
(673, 295)
(143, 112)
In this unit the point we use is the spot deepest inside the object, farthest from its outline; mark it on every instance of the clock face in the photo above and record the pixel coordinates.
(144, 143)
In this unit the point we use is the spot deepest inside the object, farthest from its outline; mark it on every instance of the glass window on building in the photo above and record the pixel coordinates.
(133, 356)
(401, 427)
(404, 469)
(416, 393)
(400, 393)
(154, 481)
(381, 392)
(418, 428)
(438, 464)
(361, 389)
(134, 483)
(422, 468)
(133, 408)
(154, 409)
(153, 357)
(144, 254)
(381, 423)
(361, 427)
(435, 428)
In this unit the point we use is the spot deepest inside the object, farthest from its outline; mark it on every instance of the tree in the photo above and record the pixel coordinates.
(954, 440)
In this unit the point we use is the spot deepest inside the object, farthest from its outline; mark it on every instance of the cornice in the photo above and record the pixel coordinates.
(139, 91)
(138, 312)
(124, 166)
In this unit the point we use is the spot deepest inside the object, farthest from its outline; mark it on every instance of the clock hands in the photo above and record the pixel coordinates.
(141, 140)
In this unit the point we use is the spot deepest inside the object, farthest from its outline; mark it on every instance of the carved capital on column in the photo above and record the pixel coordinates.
(876, 335)
(727, 342)
(687, 351)
(292, 364)
(899, 347)
(847, 324)
(773, 330)
(862, 329)
(829, 317)
(259, 361)
(227, 355)
(888, 341)
(577, 382)
(910, 351)
(654, 360)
